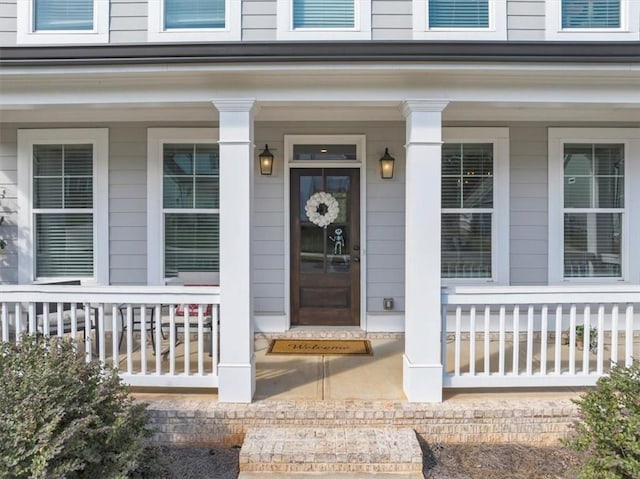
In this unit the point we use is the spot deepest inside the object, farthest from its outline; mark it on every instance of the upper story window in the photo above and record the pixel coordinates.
(324, 19)
(460, 19)
(590, 204)
(62, 21)
(194, 20)
(475, 190)
(583, 20)
(63, 213)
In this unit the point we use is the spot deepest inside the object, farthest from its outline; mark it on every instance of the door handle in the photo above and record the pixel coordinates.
(356, 247)
(356, 260)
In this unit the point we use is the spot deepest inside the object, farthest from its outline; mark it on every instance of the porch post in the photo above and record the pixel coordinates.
(422, 362)
(236, 371)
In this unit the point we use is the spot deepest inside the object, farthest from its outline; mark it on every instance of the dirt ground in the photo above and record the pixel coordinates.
(441, 461)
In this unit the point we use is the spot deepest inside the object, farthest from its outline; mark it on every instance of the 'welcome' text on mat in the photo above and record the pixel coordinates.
(321, 346)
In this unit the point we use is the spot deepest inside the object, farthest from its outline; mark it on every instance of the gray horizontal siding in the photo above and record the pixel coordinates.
(8, 24)
(129, 21)
(525, 20)
(259, 20)
(528, 205)
(391, 20)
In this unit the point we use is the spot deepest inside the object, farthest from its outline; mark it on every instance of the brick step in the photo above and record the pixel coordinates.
(335, 452)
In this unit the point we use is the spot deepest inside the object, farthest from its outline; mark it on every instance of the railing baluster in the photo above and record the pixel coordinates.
(557, 367)
(628, 349)
(600, 360)
(530, 312)
(456, 348)
(472, 341)
(586, 339)
(200, 340)
(544, 331)
(18, 322)
(487, 340)
(143, 339)
(615, 311)
(59, 324)
(215, 311)
(74, 320)
(45, 319)
(101, 339)
(87, 333)
(158, 352)
(443, 336)
(515, 367)
(32, 318)
(172, 339)
(501, 352)
(115, 337)
(129, 339)
(5, 322)
(572, 339)
(187, 340)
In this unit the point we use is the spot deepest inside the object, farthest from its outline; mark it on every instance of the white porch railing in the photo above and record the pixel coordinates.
(160, 336)
(537, 336)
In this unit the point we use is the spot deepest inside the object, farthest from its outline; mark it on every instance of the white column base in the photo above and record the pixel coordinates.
(237, 382)
(422, 382)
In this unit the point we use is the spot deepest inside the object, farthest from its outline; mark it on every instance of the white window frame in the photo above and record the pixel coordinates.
(499, 137)
(99, 138)
(25, 33)
(629, 25)
(156, 139)
(360, 31)
(558, 137)
(232, 30)
(497, 29)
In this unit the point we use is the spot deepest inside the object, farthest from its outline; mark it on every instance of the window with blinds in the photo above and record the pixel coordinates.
(63, 210)
(458, 13)
(323, 14)
(179, 14)
(467, 210)
(191, 208)
(591, 14)
(593, 210)
(62, 15)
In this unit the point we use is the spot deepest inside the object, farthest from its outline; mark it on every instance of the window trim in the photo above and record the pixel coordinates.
(500, 225)
(25, 33)
(497, 29)
(629, 25)
(156, 138)
(232, 30)
(99, 138)
(558, 137)
(360, 31)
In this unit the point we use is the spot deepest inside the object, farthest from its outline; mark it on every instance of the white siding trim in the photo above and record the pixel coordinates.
(231, 32)
(156, 138)
(501, 214)
(361, 154)
(497, 29)
(629, 25)
(630, 137)
(361, 30)
(26, 34)
(99, 138)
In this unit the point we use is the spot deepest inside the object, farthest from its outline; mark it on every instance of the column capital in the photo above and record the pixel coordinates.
(423, 106)
(236, 105)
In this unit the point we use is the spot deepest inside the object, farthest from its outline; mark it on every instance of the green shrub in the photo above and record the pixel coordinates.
(609, 428)
(63, 418)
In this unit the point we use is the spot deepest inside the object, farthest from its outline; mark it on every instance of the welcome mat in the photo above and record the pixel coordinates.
(320, 346)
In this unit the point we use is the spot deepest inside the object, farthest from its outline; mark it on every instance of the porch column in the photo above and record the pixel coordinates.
(422, 363)
(236, 370)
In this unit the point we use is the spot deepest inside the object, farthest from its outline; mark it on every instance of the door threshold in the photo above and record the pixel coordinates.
(319, 332)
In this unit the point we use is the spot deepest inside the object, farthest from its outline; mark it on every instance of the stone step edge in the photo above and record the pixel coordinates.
(331, 450)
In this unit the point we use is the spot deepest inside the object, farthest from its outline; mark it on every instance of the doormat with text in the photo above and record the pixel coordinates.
(320, 346)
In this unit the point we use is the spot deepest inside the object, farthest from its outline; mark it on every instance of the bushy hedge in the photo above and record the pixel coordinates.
(609, 428)
(63, 418)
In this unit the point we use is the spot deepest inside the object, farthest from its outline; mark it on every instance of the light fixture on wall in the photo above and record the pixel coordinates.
(266, 161)
(386, 165)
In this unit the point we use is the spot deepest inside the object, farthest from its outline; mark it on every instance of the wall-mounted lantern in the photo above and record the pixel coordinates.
(266, 161)
(386, 165)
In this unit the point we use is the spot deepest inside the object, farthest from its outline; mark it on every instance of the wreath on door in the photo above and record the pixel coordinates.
(322, 209)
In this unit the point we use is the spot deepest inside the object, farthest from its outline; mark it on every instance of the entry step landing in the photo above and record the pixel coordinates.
(291, 452)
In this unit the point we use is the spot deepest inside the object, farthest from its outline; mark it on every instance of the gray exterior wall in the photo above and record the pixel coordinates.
(391, 20)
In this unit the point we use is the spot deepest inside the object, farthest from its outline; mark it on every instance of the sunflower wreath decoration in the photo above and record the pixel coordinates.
(322, 209)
